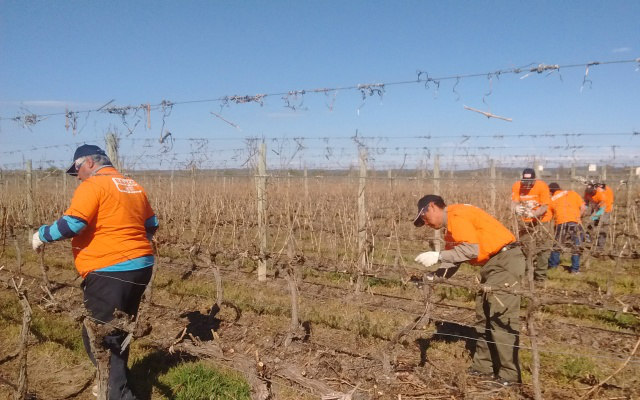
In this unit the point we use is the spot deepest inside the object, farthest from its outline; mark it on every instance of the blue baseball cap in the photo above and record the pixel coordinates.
(83, 151)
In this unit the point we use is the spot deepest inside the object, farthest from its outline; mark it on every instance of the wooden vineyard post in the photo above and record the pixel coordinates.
(29, 178)
(21, 390)
(531, 253)
(362, 220)
(102, 356)
(492, 172)
(535, 354)
(436, 190)
(194, 209)
(629, 193)
(603, 174)
(171, 184)
(64, 183)
(261, 190)
(112, 150)
(306, 184)
(573, 177)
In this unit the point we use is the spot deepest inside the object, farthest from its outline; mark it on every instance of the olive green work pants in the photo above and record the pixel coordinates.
(498, 316)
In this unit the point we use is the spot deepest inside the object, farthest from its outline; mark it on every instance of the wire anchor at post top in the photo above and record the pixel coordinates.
(540, 68)
(292, 96)
(258, 98)
(368, 90)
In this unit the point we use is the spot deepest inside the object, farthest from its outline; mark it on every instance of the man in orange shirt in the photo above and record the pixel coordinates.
(110, 224)
(599, 196)
(476, 237)
(567, 207)
(530, 200)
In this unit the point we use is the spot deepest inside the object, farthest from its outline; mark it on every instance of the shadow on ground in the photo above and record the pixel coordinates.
(448, 332)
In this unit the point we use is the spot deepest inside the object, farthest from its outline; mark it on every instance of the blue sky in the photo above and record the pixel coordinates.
(78, 55)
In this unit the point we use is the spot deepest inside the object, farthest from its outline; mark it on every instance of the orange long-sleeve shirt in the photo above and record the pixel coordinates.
(470, 224)
(538, 195)
(604, 198)
(566, 206)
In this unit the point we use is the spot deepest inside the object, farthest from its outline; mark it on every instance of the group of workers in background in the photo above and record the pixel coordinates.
(537, 204)
(110, 223)
(474, 236)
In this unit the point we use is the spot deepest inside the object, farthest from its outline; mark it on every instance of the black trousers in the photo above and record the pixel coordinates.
(104, 292)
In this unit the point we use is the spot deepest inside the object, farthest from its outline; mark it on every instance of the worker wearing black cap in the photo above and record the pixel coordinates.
(475, 237)
(530, 199)
(110, 223)
(567, 207)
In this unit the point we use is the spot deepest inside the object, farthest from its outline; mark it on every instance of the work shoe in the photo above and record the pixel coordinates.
(505, 382)
(481, 375)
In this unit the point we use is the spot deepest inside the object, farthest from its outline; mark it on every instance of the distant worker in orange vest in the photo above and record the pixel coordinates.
(599, 197)
(567, 208)
(475, 237)
(110, 223)
(530, 200)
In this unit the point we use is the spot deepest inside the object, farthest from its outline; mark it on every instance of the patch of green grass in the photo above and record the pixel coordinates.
(45, 326)
(381, 282)
(198, 380)
(608, 318)
(573, 368)
(455, 293)
(376, 324)
(63, 355)
(58, 329)
(626, 285)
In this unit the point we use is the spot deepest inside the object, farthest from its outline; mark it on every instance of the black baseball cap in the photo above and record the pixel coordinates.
(83, 151)
(422, 205)
(528, 174)
(554, 187)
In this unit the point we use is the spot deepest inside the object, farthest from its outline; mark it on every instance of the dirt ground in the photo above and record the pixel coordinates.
(430, 362)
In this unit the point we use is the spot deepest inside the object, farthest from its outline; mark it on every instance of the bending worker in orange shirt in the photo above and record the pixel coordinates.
(567, 207)
(476, 237)
(110, 224)
(530, 199)
(599, 196)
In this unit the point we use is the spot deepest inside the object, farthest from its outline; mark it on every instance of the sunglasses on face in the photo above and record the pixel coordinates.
(79, 163)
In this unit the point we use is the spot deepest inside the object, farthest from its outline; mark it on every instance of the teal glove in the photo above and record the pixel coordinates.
(598, 214)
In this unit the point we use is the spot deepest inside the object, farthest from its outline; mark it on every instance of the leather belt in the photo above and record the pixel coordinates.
(510, 246)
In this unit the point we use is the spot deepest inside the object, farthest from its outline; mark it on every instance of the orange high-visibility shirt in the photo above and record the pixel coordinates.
(604, 198)
(115, 209)
(470, 224)
(566, 206)
(538, 195)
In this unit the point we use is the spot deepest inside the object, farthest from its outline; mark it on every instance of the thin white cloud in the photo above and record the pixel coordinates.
(621, 50)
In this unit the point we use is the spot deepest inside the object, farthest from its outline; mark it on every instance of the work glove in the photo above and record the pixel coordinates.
(428, 259)
(598, 214)
(36, 243)
(520, 209)
(524, 211)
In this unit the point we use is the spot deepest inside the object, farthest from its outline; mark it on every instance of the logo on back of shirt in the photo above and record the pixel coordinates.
(125, 185)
